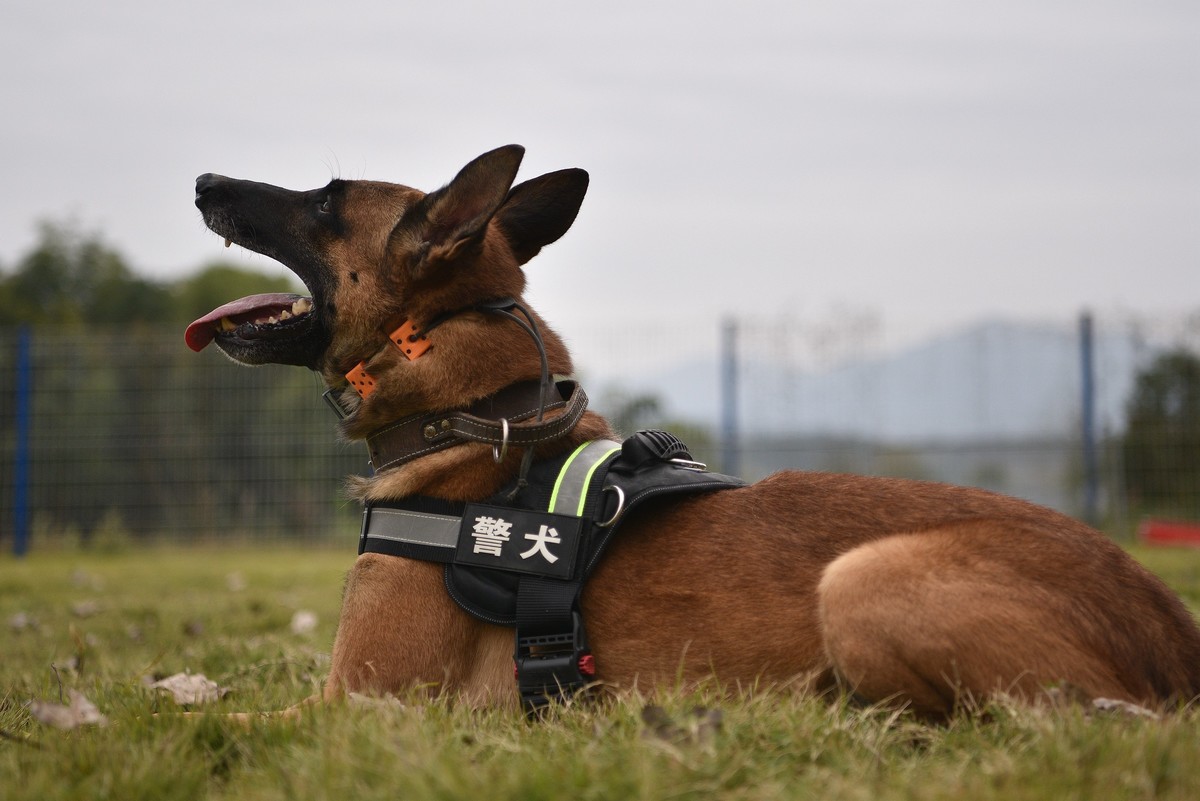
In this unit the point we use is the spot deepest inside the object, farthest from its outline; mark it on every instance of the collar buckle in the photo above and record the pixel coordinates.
(331, 397)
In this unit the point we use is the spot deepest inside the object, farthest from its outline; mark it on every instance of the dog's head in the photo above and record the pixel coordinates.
(375, 254)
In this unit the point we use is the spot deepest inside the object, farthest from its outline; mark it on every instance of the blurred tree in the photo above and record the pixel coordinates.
(1161, 447)
(39, 290)
(72, 278)
(218, 283)
(630, 413)
(633, 412)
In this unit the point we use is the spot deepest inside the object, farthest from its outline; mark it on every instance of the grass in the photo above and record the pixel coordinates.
(104, 624)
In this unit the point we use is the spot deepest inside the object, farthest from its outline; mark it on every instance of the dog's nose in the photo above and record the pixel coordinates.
(206, 182)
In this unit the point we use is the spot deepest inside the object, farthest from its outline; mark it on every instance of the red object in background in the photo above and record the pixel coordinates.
(1169, 532)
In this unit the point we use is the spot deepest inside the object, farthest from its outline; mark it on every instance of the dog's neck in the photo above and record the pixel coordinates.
(469, 471)
(429, 437)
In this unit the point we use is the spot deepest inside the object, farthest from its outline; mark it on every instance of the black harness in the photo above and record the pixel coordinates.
(521, 558)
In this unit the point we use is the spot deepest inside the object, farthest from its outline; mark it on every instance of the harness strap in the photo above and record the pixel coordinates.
(431, 528)
(551, 654)
(416, 535)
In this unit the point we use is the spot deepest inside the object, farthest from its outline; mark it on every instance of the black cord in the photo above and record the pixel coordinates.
(503, 307)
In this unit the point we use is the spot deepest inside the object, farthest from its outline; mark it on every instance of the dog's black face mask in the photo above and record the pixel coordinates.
(283, 225)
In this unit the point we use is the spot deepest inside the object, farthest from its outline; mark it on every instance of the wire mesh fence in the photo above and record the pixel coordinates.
(116, 436)
(132, 435)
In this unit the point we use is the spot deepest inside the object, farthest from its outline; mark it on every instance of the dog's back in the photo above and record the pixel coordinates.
(906, 589)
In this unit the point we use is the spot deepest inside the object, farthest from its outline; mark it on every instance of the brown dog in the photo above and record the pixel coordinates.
(918, 592)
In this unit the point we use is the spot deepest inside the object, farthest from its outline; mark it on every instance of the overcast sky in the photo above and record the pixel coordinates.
(931, 161)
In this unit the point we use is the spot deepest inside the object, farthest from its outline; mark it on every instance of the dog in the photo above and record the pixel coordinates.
(897, 591)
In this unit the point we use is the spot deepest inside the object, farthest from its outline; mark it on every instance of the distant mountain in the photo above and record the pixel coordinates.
(994, 380)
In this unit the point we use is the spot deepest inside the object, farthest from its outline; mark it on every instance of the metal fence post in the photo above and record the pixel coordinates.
(1091, 469)
(21, 459)
(730, 447)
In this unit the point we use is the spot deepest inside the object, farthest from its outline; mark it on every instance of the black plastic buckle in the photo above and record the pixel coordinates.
(653, 446)
(331, 398)
(553, 667)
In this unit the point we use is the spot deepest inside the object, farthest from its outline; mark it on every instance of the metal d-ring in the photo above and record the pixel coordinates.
(620, 505)
(498, 454)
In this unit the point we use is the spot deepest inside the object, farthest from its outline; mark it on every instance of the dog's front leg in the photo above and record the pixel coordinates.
(399, 631)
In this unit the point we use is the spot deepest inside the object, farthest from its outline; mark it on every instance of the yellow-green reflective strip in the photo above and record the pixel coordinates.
(570, 489)
(562, 474)
(588, 478)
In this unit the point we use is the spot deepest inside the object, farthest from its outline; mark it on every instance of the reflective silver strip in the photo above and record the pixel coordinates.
(417, 528)
(570, 490)
(441, 531)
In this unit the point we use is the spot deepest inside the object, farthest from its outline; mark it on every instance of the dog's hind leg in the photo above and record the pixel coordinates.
(941, 617)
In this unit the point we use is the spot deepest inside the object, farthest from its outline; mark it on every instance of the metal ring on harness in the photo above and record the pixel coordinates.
(620, 506)
(499, 453)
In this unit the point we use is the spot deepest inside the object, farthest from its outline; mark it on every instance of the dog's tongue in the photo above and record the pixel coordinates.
(254, 307)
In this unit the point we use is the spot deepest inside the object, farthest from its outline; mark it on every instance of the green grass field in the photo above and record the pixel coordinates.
(105, 625)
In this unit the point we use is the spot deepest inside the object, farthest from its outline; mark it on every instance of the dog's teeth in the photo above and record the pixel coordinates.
(272, 320)
(228, 242)
(227, 324)
(302, 306)
(285, 315)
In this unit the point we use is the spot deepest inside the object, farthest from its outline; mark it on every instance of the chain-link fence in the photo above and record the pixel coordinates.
(127, 435)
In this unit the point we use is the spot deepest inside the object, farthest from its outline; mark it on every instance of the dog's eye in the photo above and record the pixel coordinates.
(325, 206)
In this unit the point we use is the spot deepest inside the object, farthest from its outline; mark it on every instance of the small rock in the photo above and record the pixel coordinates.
(82, 578)
(698, 727)
(303, 621)
(22, 621)
(1123, 708)
(85, 608)
(80, 712)
(190, 689)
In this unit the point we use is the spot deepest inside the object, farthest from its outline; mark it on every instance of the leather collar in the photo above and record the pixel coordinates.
(498, 420)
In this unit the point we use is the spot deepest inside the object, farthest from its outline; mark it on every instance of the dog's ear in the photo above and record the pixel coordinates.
(450, 223)
(540, 210)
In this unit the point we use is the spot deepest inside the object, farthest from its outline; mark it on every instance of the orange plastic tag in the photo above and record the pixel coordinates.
(362, 382)
(405, 338)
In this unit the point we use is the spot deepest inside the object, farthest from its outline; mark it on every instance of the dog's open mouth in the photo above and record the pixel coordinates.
(251, 319)
(276, 328)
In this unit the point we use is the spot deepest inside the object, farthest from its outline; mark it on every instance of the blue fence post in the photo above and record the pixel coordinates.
(22, 460)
